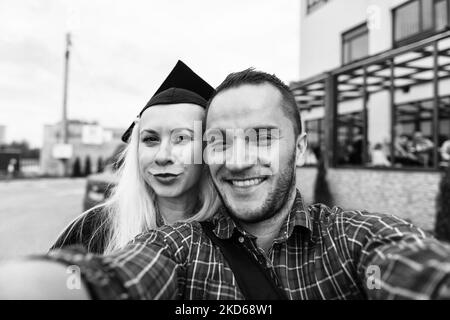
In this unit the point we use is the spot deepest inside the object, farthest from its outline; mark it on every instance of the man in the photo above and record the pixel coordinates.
(422, 148)
(310, 253)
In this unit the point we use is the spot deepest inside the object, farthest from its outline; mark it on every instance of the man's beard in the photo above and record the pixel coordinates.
(274, 201)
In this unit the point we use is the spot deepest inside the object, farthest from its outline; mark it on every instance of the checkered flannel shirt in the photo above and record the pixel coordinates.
(320, 253)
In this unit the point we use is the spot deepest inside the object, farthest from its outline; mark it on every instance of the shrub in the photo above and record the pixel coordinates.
(76, 168)
(100, 165)
(87, 166)
(442, 226)
(322, 192)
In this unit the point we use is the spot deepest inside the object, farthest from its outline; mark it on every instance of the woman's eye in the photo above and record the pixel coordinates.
(183, 138)
(150, 139)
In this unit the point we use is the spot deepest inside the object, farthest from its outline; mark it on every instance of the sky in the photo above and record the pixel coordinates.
(123, 49)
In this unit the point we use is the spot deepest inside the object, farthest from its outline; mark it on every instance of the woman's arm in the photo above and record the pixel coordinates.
(87, 230)
(40, 280)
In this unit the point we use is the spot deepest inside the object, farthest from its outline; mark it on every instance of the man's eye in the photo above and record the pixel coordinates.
(264, 139)
(217, 145)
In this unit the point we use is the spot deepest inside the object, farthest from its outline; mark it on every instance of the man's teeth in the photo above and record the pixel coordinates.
(246, 183)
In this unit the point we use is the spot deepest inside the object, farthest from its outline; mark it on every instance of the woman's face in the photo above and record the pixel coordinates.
(170, 150)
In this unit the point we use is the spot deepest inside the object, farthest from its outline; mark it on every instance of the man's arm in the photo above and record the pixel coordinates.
(151, 267)
(396, 260)
(39, 280)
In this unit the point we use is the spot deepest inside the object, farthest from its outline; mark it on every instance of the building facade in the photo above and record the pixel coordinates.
(375, 101)
(2, 134)
(86, 140)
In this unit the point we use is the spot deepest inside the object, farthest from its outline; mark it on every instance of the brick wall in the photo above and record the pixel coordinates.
(409, 195)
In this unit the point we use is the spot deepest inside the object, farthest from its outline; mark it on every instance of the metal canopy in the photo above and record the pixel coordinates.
(396, 69)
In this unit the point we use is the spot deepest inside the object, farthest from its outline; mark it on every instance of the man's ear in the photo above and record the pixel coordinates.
(300, 149)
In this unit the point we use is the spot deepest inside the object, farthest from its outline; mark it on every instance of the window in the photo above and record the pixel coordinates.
(350, 140)
(414, 144)
(316, 139)
(355, 44)
(312, 5)
(419, 19)
(441, 14)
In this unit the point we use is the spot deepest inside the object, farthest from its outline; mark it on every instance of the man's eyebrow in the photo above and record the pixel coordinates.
(217, 130)
(268, 127)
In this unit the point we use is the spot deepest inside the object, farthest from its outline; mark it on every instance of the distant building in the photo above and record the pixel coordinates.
(2, 134)
(375, 79)
(86, 140)
(10, 162)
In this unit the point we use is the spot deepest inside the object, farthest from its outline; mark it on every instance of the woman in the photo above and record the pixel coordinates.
(158, 180)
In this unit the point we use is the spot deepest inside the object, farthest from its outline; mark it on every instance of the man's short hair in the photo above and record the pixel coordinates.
(251, 76)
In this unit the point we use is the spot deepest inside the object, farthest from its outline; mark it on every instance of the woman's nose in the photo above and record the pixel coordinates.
(164, 156)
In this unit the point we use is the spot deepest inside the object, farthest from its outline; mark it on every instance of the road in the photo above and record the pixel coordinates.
(34, 212)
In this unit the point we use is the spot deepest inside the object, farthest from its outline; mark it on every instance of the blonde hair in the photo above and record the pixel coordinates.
(131, 210)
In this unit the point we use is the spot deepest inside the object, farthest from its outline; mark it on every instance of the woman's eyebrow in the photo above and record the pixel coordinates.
(180, 129)
(148, 131)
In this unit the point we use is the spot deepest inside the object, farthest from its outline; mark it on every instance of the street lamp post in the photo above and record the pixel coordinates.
(64, 123)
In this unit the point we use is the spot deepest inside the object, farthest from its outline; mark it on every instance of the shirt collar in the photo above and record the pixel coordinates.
(298, 217)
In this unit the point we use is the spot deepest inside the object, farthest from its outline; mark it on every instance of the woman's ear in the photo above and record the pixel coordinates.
(300, 149)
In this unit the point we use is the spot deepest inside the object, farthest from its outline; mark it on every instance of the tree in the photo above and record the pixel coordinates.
(87, 166)
(24, 148)
(322, 192)
(100, 165)
(76, 169)
(442, 225)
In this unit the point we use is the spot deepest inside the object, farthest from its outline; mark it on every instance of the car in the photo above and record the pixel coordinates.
(100, 185)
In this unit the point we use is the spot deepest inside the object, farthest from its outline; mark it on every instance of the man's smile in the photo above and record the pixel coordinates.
(245, 183)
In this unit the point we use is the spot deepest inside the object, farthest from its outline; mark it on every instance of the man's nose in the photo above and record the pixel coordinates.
(164, 156)
(240, 157)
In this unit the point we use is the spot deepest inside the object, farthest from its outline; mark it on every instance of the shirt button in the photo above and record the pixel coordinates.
(241, 239)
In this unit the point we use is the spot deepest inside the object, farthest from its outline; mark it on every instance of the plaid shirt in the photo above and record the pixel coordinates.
(320, 253)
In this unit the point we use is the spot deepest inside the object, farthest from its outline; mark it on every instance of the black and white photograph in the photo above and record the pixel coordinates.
(227, 155)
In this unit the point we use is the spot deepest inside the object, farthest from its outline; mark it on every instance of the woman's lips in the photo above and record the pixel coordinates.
(166, 178)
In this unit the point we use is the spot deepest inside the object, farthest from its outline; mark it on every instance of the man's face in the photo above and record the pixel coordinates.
(255, 175)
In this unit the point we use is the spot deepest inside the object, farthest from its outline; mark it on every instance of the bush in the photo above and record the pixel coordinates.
(87, 166)
(442, 226)
(100, 165)
(76, 168)
(322, 192)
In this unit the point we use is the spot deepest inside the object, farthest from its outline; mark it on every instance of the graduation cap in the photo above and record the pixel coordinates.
(182, 85)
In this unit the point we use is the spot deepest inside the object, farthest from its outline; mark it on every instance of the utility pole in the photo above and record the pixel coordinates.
(64, 123)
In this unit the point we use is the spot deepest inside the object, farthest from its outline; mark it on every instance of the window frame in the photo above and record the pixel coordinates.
(434, 127)
(353, 115)
(313, 5)
(321, 136)
(363, 25)
(422, 34)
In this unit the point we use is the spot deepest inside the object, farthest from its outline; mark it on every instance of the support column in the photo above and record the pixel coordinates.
(436, 104)
(330, 120)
